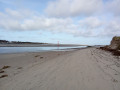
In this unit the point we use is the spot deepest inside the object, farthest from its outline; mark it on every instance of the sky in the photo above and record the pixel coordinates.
(88, 22)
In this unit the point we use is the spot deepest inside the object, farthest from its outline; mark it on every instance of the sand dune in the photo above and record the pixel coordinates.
(86, 69)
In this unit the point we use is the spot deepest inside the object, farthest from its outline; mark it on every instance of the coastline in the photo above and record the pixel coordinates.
(39, 45)
(5, 50)
(61, 70)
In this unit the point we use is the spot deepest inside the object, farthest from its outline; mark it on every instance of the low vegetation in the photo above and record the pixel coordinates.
(113, 51)
(18, 42)
(114, 47)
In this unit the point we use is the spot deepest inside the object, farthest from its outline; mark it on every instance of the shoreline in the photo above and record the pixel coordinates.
(39, 45)
(7, 50)
(44, 53)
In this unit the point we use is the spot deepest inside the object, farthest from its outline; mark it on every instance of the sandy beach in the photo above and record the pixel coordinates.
(85, 69)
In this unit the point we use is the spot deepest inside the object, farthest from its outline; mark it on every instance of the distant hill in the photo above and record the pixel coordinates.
(5, 43)
(18, 42)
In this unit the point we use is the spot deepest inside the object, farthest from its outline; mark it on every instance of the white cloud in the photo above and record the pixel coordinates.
(20, 20)
(85, 27)
(66, 8)
(91, 22)
(19, 14)
(44, 23)
(113, 6)
(113, 28)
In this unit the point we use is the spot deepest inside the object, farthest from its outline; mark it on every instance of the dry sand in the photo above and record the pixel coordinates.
(86, 69)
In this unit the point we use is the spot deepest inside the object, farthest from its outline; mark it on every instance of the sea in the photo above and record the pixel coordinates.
(36, 49)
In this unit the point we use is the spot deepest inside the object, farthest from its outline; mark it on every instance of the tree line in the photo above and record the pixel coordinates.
(18, 42)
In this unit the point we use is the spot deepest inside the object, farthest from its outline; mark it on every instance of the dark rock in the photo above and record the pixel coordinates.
(5, 67)
(3, 76)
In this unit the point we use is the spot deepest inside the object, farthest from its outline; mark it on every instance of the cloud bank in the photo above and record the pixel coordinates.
(61, 18)
(64, 8)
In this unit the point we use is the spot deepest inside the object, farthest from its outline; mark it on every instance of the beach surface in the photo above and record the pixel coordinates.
(85, 69)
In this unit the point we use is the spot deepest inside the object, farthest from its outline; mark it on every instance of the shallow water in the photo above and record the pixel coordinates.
(34, 49)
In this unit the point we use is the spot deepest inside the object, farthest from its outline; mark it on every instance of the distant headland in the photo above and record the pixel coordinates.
(6, 43)
(18, 42)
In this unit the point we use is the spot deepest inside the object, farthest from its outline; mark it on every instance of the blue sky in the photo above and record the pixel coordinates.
(90, 22)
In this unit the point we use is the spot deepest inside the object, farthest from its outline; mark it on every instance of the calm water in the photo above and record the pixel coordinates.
(33, 49)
